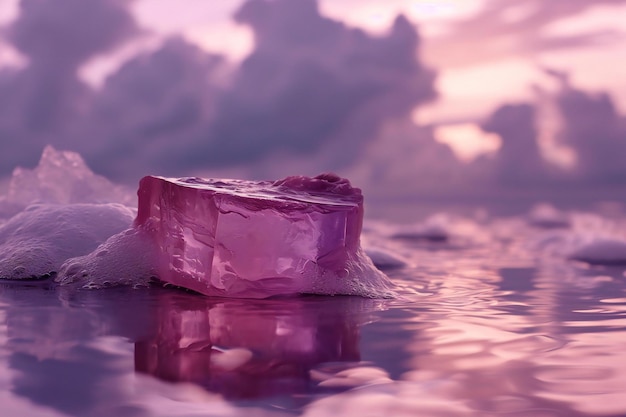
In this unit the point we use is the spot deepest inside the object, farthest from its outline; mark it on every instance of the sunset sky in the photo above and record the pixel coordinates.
(477, 70)
(484, 53)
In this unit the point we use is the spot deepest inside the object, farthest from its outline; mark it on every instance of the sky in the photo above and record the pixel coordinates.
(430, 96)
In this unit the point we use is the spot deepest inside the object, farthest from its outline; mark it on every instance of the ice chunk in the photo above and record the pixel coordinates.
(433, 229)
(259, 239)
(35, 242)
(602, 252)
(548, 217)
(385, 259)
(61, 177)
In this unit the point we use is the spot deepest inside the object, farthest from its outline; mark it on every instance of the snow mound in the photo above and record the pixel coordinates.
(35, 242)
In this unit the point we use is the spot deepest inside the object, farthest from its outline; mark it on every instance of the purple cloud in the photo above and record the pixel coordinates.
(42, 103)
(312, 82)
(154, 109)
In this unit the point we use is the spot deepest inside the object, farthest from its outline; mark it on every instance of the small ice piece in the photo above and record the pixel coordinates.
(35, 242)
(547, 216)
(259, 239)
(433, 229)
(602, 252)
(385, 259)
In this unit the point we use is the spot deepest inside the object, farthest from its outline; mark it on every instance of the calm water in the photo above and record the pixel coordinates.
(494, 321)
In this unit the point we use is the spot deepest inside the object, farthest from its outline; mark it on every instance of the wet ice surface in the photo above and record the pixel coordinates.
(258, 239)
(495, 320)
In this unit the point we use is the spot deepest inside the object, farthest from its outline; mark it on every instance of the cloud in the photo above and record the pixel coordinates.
(41, 102)
(518, 161)
(311, 86)
(313, 83)
(596, 132)
(156, 108)
(589, 126)
(504, 28)
(313, 95)
(64, 33)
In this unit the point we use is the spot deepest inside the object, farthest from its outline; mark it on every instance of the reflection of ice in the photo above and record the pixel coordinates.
(74, 353)
(250, 349)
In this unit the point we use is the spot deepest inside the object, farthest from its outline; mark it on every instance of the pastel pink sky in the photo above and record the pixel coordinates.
(475, 74)
(468, 88)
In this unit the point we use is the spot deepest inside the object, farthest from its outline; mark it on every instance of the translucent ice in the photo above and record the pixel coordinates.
(35, 242)
(259, 239)
(62, 177)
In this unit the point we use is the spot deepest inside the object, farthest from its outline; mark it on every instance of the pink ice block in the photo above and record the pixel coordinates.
(257, 239)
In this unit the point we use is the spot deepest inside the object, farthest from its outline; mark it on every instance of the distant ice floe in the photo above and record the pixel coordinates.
(434, 229)
(601, 251)
(578, 236)
(385, 259)
(546, 216)
(62, 177)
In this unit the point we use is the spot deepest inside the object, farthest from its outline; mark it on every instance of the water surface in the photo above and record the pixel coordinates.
(493, 321)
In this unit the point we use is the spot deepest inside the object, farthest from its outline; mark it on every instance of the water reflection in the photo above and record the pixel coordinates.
(250, 348)
(77, 352)
(498, 327)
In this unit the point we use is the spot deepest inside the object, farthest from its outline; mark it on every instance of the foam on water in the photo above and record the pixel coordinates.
(35, 242)
(126, 258)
